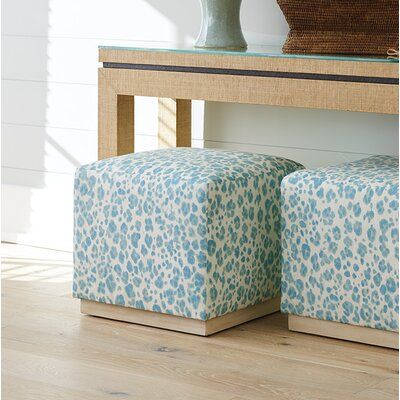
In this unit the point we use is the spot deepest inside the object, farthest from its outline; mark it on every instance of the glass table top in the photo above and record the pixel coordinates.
(252, 51)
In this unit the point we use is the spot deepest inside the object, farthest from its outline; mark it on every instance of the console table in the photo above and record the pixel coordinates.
(260, 75)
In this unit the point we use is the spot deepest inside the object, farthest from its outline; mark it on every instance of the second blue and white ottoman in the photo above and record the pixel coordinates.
(185, 239)
(341, 251)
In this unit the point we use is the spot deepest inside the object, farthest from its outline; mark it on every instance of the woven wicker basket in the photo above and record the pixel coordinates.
(341, 26)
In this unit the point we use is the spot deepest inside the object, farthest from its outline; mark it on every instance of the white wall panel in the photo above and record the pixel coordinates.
(65, 60)
(56, 150)
(118, 19)
(338, 131)
(47, 149)
(37, 208)
(59, 105)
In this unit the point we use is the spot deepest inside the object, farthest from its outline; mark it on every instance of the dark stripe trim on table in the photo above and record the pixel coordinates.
(247, 72)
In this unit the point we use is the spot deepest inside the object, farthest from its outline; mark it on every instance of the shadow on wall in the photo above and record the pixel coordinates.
(16, 94)
(185, 15)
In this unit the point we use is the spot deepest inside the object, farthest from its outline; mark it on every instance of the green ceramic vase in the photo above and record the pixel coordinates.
(220, 27)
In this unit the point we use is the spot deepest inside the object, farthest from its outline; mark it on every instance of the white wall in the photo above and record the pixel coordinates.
(49, 115)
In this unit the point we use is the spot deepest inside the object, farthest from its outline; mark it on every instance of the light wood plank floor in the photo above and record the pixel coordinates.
(51, 351)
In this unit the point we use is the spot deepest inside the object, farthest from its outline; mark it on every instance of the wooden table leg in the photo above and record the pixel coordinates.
(174, 123)
(116, 121)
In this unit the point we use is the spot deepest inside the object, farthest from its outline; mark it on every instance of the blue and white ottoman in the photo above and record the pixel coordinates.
(184, 239)
(340, 251)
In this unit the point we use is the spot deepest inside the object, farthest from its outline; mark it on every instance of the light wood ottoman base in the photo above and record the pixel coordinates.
(337, 330)
(181, 324)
